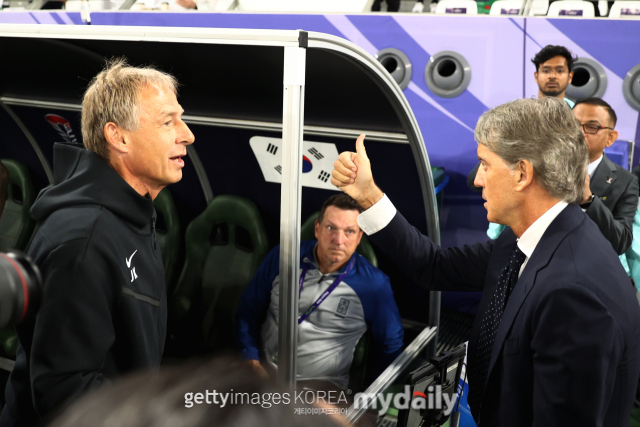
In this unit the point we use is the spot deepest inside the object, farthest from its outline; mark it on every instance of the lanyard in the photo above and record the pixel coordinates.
(325, 294)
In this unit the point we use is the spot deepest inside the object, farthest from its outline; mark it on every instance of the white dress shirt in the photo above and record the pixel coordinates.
(594, 165)
(532, 235)
(380, 215)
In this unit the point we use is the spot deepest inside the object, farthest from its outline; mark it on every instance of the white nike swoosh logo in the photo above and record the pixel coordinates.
(128, 260)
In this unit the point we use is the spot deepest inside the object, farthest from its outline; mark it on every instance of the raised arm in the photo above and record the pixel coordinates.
(455, 269)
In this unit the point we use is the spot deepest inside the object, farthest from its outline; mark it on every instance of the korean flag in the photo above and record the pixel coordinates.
(317, 161)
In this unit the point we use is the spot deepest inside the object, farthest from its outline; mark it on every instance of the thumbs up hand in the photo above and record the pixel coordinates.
(352, 174)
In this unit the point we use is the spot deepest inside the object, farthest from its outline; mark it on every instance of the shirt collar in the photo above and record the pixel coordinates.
(594, 165)
(530, 238)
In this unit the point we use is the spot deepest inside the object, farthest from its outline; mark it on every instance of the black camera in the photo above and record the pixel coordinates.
(20, 288)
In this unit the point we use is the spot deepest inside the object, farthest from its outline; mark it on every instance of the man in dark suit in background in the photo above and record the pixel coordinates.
(557, 336)
(610, 196)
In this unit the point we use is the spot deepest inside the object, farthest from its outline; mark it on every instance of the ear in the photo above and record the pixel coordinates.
(116, 138)
(317, 229)
(535, 76)
(570, 77)
(523, 175)
(360, 236)
(613, 136)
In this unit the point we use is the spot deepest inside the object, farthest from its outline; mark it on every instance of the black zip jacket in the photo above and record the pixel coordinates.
(103, 310)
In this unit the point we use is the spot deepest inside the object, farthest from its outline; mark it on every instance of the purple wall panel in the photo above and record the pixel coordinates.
(217, 20)
(41, 17)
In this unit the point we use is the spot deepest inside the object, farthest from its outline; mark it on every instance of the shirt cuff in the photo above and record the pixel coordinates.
(377, 216)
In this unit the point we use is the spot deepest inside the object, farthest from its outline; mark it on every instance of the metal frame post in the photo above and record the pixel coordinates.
(292, 127)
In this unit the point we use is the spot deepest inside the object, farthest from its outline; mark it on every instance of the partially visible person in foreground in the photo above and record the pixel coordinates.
(222, 392)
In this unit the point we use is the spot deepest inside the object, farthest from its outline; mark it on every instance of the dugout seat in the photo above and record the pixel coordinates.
(224, 247)
(16, 224)
(16, 229)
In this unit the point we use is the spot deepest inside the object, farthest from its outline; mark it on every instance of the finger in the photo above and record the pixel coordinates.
(337, 183)
(344, 170)
(347, 158)
(360, 147)
(344, 179)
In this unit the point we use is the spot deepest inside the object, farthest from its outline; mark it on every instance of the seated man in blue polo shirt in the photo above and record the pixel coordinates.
(341, 294)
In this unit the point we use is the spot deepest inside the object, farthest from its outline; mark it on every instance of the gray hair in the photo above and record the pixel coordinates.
(546, 133)
(114, 96)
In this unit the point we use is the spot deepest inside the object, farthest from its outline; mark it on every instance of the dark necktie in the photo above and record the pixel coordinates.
(490, 323)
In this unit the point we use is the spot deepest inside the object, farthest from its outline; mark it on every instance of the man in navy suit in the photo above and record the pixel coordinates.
(557, 336)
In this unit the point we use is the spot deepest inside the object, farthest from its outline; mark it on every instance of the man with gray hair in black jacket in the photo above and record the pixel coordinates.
(104, 308)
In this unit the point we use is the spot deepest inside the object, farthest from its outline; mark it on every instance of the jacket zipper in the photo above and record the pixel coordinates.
(153, 228)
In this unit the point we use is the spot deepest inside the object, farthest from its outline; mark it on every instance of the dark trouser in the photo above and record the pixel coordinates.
(392, 5)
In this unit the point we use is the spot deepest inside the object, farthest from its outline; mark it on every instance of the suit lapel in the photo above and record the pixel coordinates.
(604, 177)
(562, 225)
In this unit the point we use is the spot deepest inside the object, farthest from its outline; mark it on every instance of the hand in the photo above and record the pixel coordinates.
(352, 174)
(189, 4)
(257, 367)
(586, 194)
(418, 7)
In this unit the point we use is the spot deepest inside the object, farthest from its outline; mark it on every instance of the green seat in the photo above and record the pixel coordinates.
(9, 342)
(360, 363)
(169, 238)
(16, 224)
(16, 228)
(307, 232)
(224, 247)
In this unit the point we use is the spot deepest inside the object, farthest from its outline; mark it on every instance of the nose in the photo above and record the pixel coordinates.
(184, 135)
(339, 238)
(478, 181)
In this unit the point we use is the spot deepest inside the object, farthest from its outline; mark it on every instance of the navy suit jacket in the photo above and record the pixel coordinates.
(567, 351)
